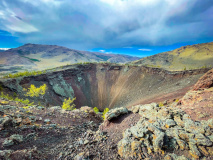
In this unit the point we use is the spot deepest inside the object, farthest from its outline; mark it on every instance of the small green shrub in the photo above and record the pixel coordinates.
(160, 104)
(68, 104)
(32, 91)
(177, 100)
(96, 110)
(25, 73)
(104, 112)
(8, 97)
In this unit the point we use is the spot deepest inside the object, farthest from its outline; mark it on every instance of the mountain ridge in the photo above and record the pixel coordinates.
(186, 57)
(38, 56)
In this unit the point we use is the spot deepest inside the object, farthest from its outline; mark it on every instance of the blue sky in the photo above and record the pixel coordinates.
(134, 27)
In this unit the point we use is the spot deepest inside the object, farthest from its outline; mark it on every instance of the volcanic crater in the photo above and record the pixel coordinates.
(107, 85)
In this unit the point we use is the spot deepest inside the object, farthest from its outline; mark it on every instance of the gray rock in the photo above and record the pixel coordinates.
(47, 121)
(194, 150)
(211, 137)
(175, 157)
(12, 140)
(135, 109)
(80, 156)
(8, 122)
(30, 136)
(182, 144)
(8, 142)
(4, 154)
(202, 140)
(40, 108)
(170, 123)
(113, 113)
(145, 107)
(86, 142)
(158, 142)
(52, 125)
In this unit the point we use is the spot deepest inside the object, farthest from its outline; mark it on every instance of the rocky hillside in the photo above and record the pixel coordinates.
(106, 85)
(37, 56)
(198, 102)
(36, 132)
(186, 57)
(170, 130)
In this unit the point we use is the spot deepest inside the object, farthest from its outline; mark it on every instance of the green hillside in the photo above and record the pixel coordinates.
(186, 57)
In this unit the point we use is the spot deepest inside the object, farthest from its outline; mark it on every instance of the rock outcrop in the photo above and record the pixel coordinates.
(205, 81)
(161, 130)
(198, 102)
(113, 113)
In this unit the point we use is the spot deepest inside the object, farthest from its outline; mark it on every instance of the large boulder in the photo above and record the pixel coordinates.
(113, 113)
(12, 140)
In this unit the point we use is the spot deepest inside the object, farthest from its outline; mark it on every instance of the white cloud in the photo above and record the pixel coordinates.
(87, 24)
(145, 49)
(22, 28)
(102, 50)
(4, 49)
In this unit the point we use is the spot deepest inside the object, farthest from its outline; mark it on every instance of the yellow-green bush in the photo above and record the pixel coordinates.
(104, 112)
(8, 97)
(25, 73)
(68, 104)
(32, 91)
(96, 110)
(161, 104)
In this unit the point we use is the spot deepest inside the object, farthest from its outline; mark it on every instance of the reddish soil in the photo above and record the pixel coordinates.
(205, 81)
(115, 127)
(169, 97)
(198, 103)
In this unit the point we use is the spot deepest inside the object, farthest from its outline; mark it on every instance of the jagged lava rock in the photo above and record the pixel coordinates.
(113, 113)
(163, 129)
(205, 81)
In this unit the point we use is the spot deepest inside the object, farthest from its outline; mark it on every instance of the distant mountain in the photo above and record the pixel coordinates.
(46, 56)
(4, 49)
(186, 57)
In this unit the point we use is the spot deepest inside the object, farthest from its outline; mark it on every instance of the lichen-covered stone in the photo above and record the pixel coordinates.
(194, 150)
(162, 128)
(8, 122)
(202, 140)
(14, 139)
(203, 150)
(4, 154)
(170, 123)
(135, 109)
(158, 141)
(182, 144)
(113, 113)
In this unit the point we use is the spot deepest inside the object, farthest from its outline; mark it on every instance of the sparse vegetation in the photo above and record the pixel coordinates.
(68, 104)
(32, 91)
(24, 101)
(32, 59)
(1, 88)
(96, 110)
(153, 66)
(161, 104)
(25, 73)
(104, 112)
